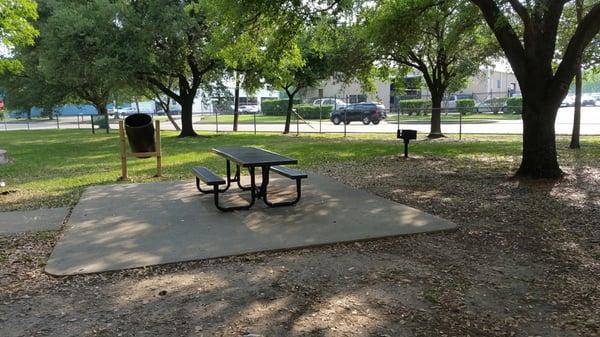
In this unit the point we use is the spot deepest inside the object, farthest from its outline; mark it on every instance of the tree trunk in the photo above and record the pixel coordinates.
(236, 104)
(171, 119)
(578, 86)
(436, 119)
(101, 109)
(539, 140)
(288, 116)
(187, 128)
(577, 116)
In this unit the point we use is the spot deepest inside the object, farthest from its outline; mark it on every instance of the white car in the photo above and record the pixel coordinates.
(338, 103)
(127, 111)
(248, 108)
(568, 101)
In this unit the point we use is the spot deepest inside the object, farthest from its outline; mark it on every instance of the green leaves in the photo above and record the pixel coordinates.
(15, 30)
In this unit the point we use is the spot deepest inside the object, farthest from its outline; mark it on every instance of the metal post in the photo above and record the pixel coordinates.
(254, 112)
(57, 123)
(459, 125)
(27, 123)
(320, 113)
(78, 121)
(4, 120)
(217, 121)
(297, 123)
(345, 115)
(398, 112)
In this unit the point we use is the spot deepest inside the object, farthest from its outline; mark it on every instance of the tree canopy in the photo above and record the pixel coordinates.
(443, 40)
(16, 29)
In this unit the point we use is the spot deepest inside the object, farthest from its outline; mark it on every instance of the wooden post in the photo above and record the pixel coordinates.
(122, 147)
(158, 149)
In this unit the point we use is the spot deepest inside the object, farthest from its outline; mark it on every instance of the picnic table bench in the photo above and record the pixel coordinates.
(251, 159)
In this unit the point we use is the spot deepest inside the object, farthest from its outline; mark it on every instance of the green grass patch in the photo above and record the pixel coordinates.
(51, 168)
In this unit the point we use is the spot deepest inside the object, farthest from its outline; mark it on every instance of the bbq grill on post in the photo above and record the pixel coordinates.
(407, 136)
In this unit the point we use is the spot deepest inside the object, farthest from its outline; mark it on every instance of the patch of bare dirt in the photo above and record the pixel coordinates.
(524, 262)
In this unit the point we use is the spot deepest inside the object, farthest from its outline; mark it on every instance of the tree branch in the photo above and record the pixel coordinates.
(584, 34)
(505, 34)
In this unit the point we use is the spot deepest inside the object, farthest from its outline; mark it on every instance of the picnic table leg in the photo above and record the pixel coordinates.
(238, 179)
(283, 203)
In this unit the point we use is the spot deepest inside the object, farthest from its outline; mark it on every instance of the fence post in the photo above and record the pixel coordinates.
(93, 128)
(345, 115)
(57, 123)
(254, 113)
(78, 121)
(460, 125)
(297, 123)
(216, 121)
(320, 113)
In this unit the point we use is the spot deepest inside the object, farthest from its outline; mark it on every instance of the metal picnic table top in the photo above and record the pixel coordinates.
(251, 156)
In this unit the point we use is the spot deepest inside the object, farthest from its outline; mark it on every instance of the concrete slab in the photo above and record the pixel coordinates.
(36, 220)
(125, 226)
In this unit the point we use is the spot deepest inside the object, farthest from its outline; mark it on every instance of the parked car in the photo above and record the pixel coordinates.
(588, 100)
(126, 111)
(451, 101)
(494, 105)
(248, 109)
(568, 101)
(365, 112)
(338, 103)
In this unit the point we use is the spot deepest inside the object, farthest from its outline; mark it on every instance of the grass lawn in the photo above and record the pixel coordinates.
(51, 167)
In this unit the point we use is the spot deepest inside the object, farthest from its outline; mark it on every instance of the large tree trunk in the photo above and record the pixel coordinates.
(187, 127)
(436, 116)
(101, 109)
(288, 116)
(539, 139)
(577, 116)
(236, 104)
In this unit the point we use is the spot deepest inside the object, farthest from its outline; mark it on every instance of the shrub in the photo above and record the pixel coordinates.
(514, 105)
(312, 111)
(415, 106)
(276, 107)
(465, 106)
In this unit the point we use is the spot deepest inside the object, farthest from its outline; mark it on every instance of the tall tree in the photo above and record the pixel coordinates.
(173, 41)
(445, 43)
(78, 50)
(527, 32)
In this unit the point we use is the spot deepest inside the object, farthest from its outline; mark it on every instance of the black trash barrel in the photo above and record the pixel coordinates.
(140, 132)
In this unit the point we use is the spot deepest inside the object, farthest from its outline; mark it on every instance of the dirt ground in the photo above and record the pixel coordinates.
(525, 261)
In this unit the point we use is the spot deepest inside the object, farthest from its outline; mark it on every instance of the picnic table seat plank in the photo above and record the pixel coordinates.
(211, 179)
(207, 176)
(289, 172)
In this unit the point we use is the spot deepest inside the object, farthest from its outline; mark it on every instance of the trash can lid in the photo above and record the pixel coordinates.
(138, 120)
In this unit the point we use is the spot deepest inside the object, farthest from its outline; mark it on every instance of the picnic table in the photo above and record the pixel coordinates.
(249, 158)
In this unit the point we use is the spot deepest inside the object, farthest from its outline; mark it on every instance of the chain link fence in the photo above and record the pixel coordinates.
(460, 113)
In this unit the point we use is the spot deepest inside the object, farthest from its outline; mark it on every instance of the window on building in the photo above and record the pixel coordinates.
(357, 98)
(498, 83)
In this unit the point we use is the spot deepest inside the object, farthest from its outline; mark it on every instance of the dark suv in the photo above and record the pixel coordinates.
(365, 112)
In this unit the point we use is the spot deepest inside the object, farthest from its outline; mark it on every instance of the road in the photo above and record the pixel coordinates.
(590, 125)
